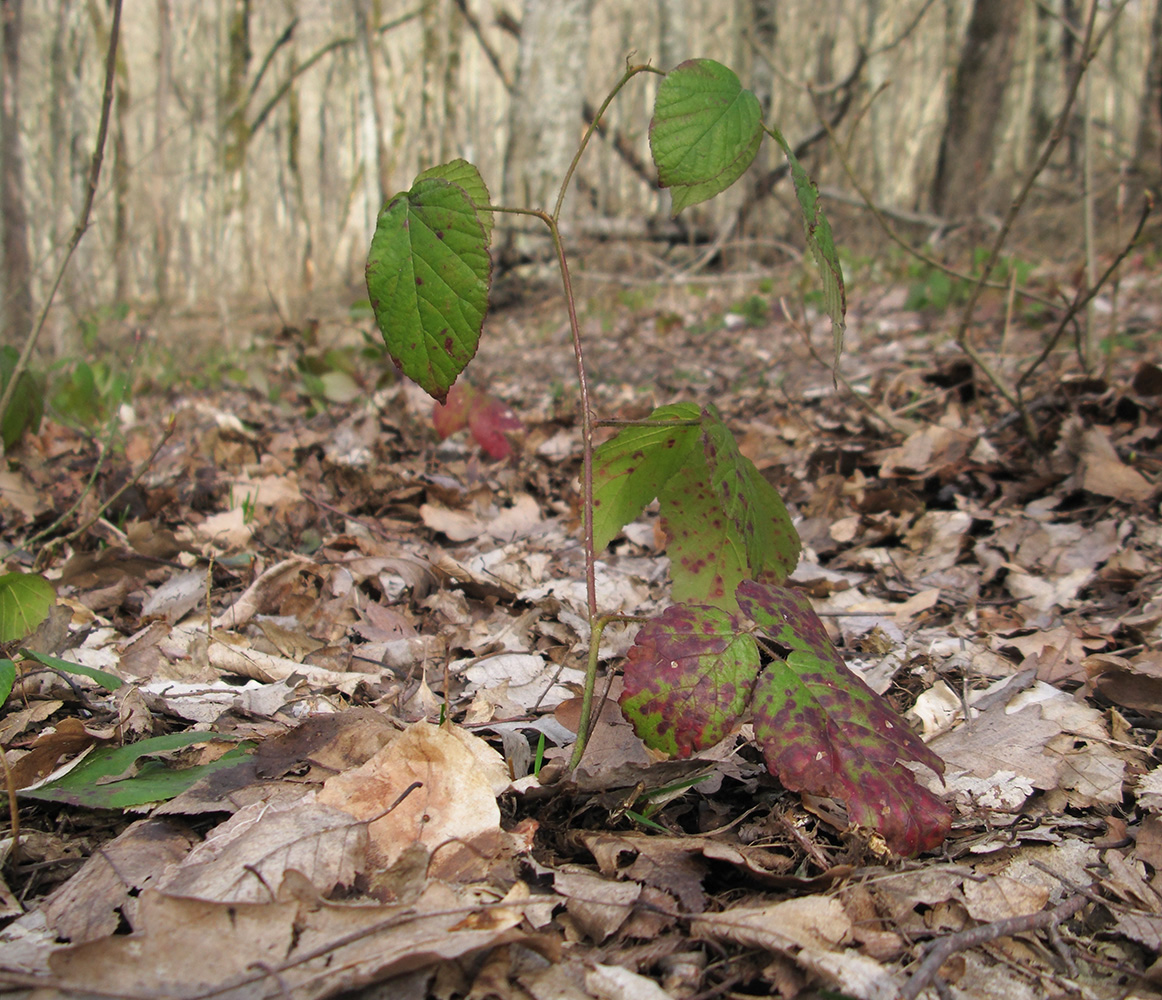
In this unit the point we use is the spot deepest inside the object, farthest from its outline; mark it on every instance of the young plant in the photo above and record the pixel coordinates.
(738, 642)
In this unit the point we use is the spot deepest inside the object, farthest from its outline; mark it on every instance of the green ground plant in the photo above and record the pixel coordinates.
(738, 642)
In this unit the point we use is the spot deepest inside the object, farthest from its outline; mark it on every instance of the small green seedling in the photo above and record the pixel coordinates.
(738, 642)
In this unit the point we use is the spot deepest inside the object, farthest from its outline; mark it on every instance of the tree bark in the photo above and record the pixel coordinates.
(966, 150)
(1148, 147)
(163, 89)
(546, 104)
(17, 302)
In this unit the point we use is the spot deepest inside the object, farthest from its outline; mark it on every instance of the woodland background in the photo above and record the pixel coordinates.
(253, 143)
(253, 534)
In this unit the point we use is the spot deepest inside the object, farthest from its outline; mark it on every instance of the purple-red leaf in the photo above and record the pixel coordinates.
(486, 416)
(688, 677)
(824, 731)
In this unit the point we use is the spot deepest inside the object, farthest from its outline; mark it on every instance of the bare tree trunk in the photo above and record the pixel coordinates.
(966, 150)
(163, 90)
(294, 159)
(673, 34)
(546, 104)
(120, 165)
(376, 166)
(17, 312)
(235, 136)
(1148, 147)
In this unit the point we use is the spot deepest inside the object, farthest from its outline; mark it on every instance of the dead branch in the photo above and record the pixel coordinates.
(945, 948)
(331, 46)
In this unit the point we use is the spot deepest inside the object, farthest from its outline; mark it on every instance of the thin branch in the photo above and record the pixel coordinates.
(301, 68)
(944, 949)
(880, 215)
(489, 52)
(1088, 51)
(282, 40)
(1084, 296)
(86, 210)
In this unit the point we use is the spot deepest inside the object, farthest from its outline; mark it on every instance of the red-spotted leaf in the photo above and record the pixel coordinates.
(688, 678)
(753, 506)
(489, 419)
(632, 468)
(428, 276)
(822, 730)
(707, 552)
(705, 131)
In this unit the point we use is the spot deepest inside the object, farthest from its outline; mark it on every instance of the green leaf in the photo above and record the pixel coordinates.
(107, 681)
(688, 678)
(823, 731)
(428, 276)
(821, 242)
(464, 174)
(7, 679)
(632, 468)
(705, 131)
(25, 599)
(130, 776)
(26, 407)
(753, 505)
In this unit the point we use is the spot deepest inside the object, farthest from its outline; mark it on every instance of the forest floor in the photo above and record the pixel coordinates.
(361, 649)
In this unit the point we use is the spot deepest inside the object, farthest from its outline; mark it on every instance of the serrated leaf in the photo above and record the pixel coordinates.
(752, 504)
(428, 275)
(24, 602)
(705, 131)
(106, 680)
(821, 242)
(823, 731)
(688, 678)
(465, 174)
(630, 470)
(707, 553)
(129, 776)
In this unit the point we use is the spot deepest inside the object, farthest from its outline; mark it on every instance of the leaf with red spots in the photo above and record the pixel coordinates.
(632, 468)
(707, 552)
(428, 274)
(688, 678)
(822, 730)
(489, 418)
(751, 503)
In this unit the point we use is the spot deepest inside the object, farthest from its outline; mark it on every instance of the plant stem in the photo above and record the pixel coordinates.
(596, 622)
(585, 724)
(597, 626)
(629, 74)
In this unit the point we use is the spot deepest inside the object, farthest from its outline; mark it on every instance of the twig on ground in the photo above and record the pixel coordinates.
(946, 947)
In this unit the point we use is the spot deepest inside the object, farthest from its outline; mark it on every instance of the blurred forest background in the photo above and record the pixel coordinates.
(253, 142)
